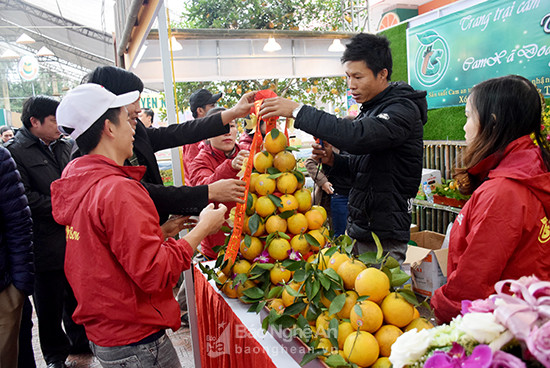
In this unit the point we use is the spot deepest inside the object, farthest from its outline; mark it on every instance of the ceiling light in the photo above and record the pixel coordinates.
(25, 39)
(176, 46)
(272, 45)
(336, 46)
(44, 51)
(9, 54)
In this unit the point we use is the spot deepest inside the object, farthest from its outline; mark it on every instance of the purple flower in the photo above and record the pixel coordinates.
(538, 343)
(502, 359)
(294, 255)
(456, 358)
(264, 258)
(479, 306)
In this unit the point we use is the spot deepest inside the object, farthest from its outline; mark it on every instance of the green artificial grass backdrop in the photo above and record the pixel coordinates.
(398, 43)
(445, 123)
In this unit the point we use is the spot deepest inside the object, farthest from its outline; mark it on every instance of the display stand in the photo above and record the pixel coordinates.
(230, 336)
(433, 216)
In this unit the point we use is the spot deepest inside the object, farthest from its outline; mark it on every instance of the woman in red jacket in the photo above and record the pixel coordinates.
(219, 158)
(503, 231)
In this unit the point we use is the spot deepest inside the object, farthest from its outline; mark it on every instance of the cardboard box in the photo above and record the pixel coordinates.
(430, 176)
(414, 228)
(428, 262)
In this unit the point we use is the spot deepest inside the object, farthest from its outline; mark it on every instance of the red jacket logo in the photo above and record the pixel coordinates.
(544, 234)
(74, 235)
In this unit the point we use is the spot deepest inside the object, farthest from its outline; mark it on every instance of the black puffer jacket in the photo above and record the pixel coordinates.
(385, 146)
(39, 167)
(16, 266)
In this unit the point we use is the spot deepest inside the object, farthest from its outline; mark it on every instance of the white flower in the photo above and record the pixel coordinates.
(409, 347)
(482, 327)
(444, 335)
(502, 340)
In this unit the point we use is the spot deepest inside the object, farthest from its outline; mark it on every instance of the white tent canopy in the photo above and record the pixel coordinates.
(215, 54)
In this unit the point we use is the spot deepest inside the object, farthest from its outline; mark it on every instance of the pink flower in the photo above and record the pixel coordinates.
(525, 281)
(294, 255)
(502, 359)
(456, 358)
(538, 343)
(529, 306)
(479, 306)
(264, 258)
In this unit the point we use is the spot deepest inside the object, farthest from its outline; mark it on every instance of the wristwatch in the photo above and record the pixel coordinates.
(297, 110)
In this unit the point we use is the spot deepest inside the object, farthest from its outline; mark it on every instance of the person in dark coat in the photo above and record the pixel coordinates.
(41, 154)
(6, 133)
(384, 142)
(168, 200)
(16, 265)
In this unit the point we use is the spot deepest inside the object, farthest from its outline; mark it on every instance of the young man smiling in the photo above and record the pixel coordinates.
(385, 143)
(119, 262)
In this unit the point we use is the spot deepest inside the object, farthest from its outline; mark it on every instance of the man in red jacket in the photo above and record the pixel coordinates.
(219, 158)
(200, 102)
(120, 263)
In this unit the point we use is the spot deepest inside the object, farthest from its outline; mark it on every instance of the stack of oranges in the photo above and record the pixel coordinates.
(371, 318)
(281, 222)
(279, 217)
(278, 205)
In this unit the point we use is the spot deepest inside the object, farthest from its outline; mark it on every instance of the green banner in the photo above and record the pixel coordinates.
(449, 55)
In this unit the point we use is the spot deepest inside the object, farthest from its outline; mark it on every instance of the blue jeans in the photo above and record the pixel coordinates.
(159, 354)
(339, 213)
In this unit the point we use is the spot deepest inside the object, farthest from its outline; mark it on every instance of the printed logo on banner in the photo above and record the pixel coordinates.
(229, 341)
(432, 58)
(217, 346)
(450, 54)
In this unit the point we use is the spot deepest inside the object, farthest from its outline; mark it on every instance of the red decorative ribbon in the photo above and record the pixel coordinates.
(235, 240)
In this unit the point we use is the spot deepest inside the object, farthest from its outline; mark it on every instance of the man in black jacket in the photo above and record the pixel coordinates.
(385, 143)
(41, 154)
(169, 199)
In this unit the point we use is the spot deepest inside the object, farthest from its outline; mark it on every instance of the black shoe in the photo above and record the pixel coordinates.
(185, 320)
(57, 365)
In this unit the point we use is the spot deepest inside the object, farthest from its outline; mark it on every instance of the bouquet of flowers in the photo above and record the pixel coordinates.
(510, 329)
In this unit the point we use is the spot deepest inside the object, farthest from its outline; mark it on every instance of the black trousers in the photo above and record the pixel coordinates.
(55, 303)
(25, 359)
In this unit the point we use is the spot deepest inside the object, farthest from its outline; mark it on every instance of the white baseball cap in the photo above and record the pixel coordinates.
(83, 105)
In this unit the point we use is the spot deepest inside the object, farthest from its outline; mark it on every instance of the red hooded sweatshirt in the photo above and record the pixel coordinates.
(119, 266)
(209, 166)
(502, 232)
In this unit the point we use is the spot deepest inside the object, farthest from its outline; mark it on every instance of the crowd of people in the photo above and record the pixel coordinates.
(88, 228)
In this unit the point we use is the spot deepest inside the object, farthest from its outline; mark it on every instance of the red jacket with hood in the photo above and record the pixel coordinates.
(209, 166)
(502, 232)
(119, 266)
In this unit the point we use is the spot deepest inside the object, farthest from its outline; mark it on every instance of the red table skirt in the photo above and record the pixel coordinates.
(224, 340)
